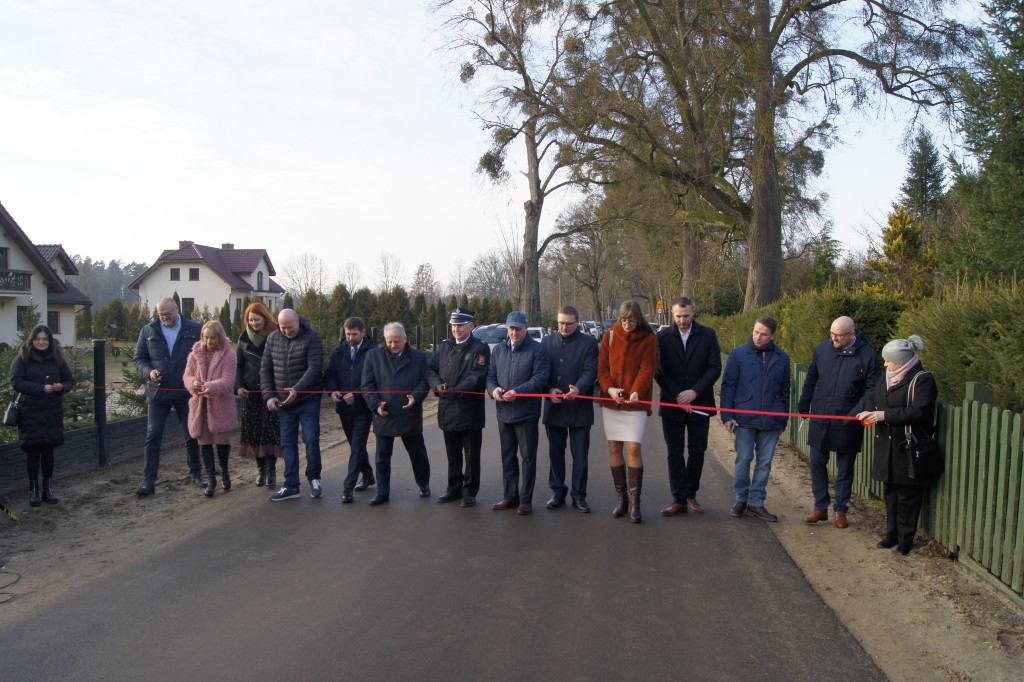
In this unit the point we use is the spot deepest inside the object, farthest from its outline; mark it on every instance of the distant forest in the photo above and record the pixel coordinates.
(103, 282)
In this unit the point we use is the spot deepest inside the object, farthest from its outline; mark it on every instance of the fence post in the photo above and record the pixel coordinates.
(419, 341)
(434, 347)
(99, 400)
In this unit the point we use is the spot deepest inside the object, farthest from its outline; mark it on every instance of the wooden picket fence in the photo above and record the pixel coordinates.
(976, 508)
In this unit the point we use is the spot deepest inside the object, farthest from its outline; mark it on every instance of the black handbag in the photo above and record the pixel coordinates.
(11, 413)
(924, 456)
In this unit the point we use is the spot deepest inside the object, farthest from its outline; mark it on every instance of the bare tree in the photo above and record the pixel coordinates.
(424, 282)
(459, 278)
(306, 272)
(390, 272)
(351, 275)
(491, 275)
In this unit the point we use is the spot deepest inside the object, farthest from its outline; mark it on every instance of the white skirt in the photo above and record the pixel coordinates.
(624, 426)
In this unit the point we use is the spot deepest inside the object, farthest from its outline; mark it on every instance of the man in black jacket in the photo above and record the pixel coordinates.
(395, 385)
(573, 355)
(843, 372)
(458, 375)
(291, 376)
(160, 356)
(691, 362)
(343, 378)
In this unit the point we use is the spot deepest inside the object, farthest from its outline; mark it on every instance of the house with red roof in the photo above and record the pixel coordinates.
(36, 275)
(208, 276)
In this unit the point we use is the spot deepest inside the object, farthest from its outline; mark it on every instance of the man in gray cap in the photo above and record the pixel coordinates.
(520, 365)
(458, 374)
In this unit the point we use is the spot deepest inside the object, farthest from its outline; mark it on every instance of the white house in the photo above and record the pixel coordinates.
(36, 275)
(208, 276)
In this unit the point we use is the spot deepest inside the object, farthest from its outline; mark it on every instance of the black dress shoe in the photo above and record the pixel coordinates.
(425, 491)
(556, 502)
(347, 497)
(581, 506)
(887, 541)
(738, 509)
(468, 501)
(198, 480)
(145, 489)
(450, 497)
(364, 484)
(379, 499)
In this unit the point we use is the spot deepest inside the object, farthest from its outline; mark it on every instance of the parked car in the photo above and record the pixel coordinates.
(608, 324)
(492, 334)
(536, 333)
(595, 329)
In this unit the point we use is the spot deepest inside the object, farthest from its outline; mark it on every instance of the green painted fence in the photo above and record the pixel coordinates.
(975, 510)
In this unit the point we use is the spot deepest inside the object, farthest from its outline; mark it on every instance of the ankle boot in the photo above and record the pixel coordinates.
(261, 478)
(33, 493)
(211, 470)
(619, 478)
(222, 455)
(271, 471)
(48, 497)
(636, 484)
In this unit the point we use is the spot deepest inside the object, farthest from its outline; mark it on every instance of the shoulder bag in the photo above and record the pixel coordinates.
(924, 457)
(11, 413)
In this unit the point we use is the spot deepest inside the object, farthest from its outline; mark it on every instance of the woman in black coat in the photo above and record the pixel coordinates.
(260, 435)
(892, 411)
(40, 374)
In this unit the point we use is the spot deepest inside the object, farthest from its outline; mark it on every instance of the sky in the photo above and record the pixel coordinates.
(327, 126)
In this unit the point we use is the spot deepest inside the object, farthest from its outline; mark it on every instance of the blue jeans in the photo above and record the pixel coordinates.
(156, 419)
(306, 414)
(749, 442)
(819, 478)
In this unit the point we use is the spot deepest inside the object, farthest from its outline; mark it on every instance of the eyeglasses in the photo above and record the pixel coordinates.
(568, 324)
(839, 336)
(165, 315)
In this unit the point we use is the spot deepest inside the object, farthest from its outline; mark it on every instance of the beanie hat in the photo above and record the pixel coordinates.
(900, 351)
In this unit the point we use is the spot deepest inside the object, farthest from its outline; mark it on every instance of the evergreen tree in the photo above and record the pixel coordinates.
(921, 191)
(464, 301)
(506, 311)
(83, 323)
(906, 261)
(363, 303)
(237, 326)
(287, 302)
(224, 317)
(341, 304)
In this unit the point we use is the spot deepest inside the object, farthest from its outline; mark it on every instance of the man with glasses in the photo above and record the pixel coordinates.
(572, 354)
(843, 372)
(160, 355)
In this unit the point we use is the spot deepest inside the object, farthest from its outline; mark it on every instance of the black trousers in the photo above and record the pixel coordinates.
(579, 445)
(521, 437)
(36, 454)
(902, 511)
(417, 450)
(463, 449)
(357, 431)
(684, 473)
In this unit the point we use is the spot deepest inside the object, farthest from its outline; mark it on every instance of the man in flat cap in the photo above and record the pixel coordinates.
(458, 375)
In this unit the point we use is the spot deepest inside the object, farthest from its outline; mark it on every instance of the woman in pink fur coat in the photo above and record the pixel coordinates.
(210, 378)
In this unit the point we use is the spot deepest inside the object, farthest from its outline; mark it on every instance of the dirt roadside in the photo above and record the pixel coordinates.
(920, 617)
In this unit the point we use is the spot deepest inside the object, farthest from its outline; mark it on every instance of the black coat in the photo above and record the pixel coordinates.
(697, 368)
(572, 361)
(248, 358)
(41, 415)
(343, 375)
(151, 353)
(523, 369)
(408, 376)
(460, 367)
(891, 461)
(292, 363)
(839, 382)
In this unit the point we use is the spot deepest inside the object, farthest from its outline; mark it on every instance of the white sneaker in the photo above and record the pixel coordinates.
(315, 491)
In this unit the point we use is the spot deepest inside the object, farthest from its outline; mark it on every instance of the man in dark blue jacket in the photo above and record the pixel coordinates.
(343, 378)
(160, 356)
(756, 379)
(395, 386)
(458, 373)
(691, 362)
(843, 372)
(573, 371)
(520, 365)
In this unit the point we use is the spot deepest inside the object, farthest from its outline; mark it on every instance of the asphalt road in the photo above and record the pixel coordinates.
(417, 590)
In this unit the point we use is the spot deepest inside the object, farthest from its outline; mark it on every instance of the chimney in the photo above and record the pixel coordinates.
(227, 247)
(183, 243)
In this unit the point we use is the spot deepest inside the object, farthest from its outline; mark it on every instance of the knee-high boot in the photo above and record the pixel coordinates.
(33, 493)
(206, 451)
(636, 484)
(222, 455)
(271, 471)
(47, 492)
(619, 478)
(261, 478)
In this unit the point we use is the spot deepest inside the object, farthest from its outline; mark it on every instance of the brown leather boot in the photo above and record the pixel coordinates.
(636, 484)
(619, 478)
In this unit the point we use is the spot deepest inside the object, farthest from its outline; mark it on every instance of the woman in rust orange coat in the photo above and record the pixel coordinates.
(628, 361)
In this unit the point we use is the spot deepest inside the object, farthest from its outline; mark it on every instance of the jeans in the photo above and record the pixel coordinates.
(819, 478)
(579, 446)
(357, 431)
(521, 437)
(684, 473)
(748, 443)
(306, 414)
(156, 418)
(417, 450)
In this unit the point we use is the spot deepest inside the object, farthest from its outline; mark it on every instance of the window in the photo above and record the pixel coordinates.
(259, 281)
(187, 306)
(3, 258)
(175, 274)
(238, 306)
(22, 312)
(193, 274)
(53, 321)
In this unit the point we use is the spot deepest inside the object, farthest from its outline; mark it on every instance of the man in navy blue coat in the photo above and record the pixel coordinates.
(573, 356)
(842, 374)
(691, 362)
(160, 356)
(343, 379)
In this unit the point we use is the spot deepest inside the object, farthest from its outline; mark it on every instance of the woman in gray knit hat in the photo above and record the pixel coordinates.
(907, 397)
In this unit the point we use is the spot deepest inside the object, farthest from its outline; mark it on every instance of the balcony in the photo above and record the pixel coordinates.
(15, 281)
